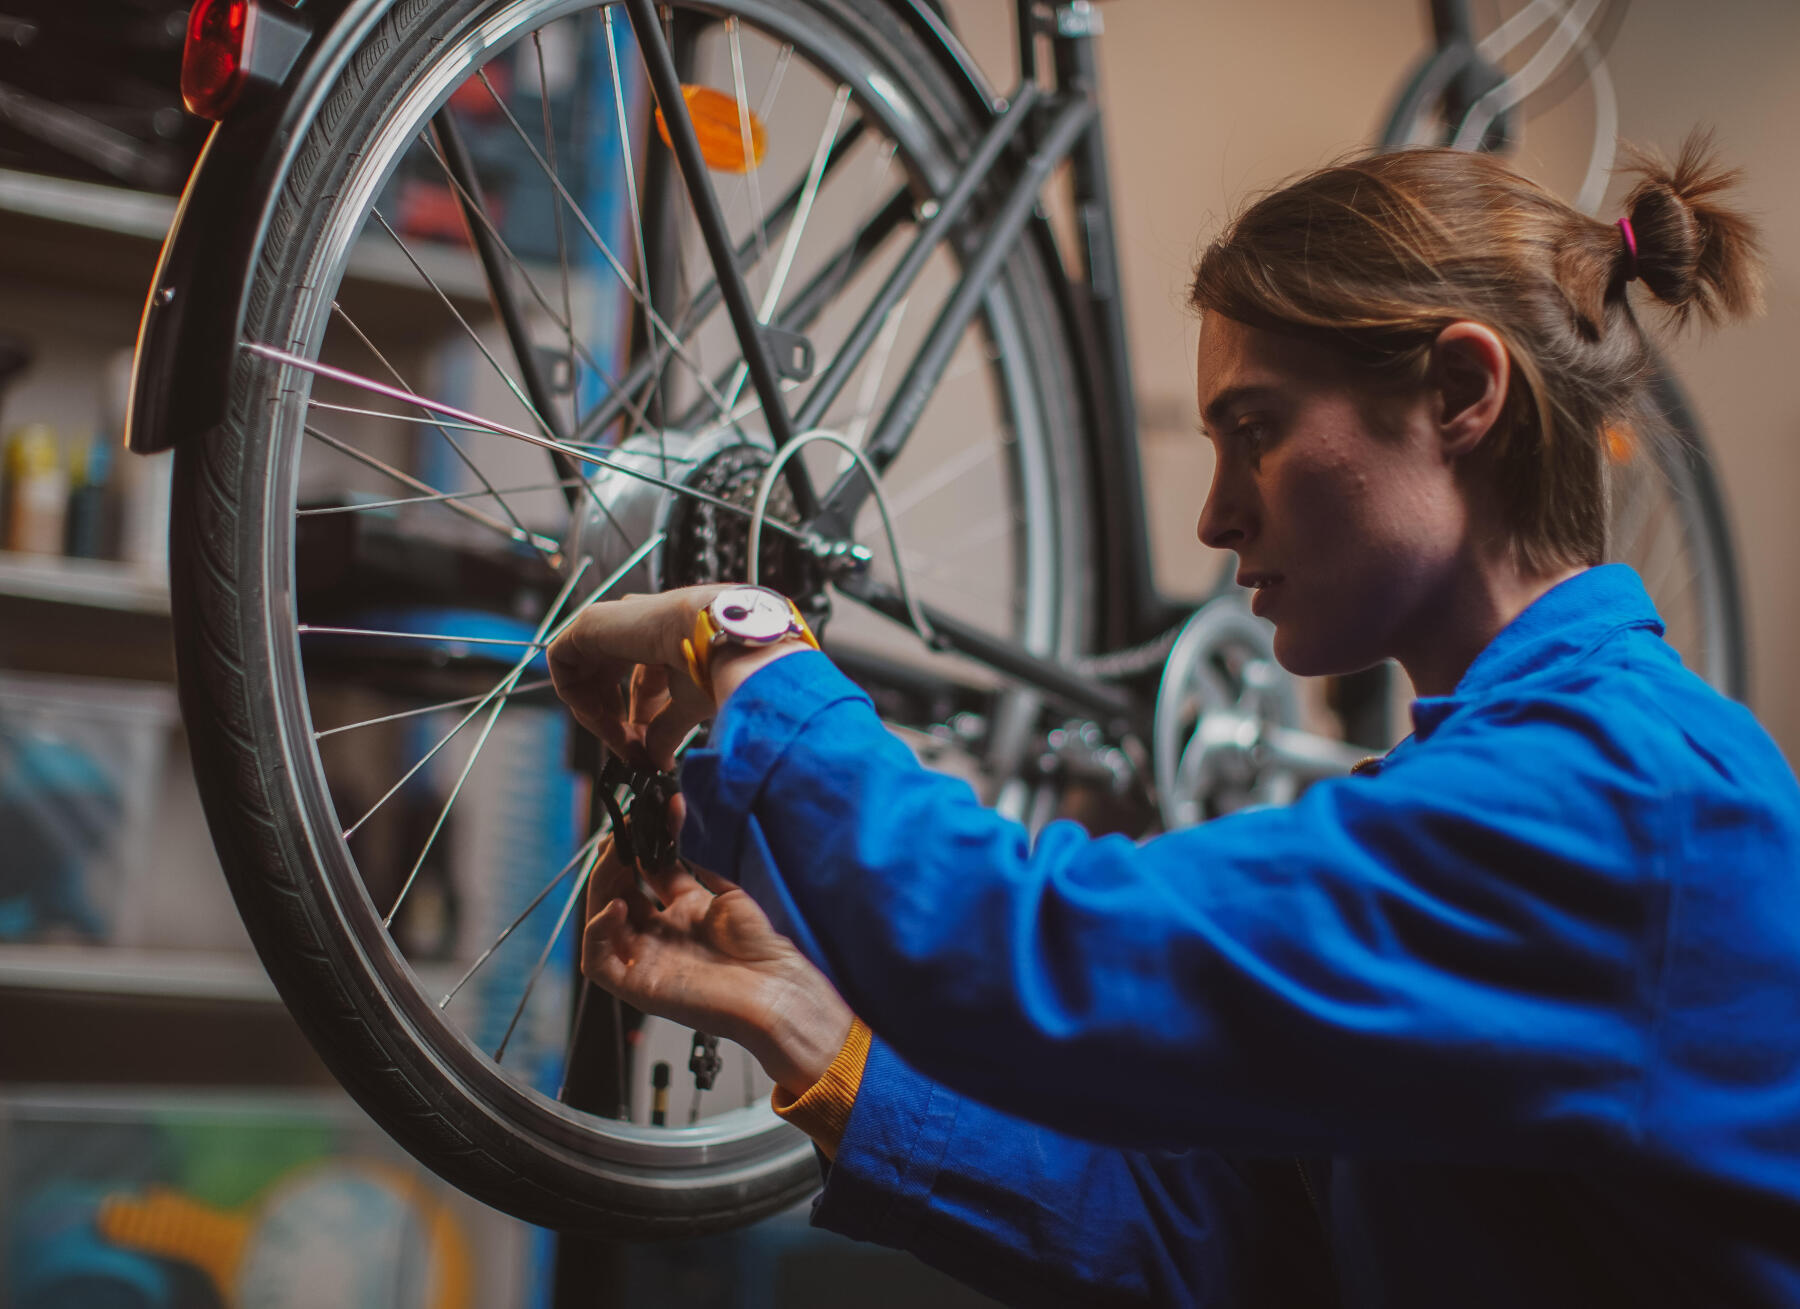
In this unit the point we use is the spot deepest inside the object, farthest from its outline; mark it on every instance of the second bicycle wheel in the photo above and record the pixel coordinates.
(371, 552)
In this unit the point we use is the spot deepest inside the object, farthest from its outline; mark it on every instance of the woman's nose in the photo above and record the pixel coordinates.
(1224, 524)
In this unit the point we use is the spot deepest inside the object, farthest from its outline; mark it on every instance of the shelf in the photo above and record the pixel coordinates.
(110, 970)
(376, 261)
(90, 583)
(161, 974)
(86, 204)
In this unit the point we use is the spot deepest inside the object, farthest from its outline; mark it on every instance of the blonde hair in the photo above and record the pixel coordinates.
(1375, 255)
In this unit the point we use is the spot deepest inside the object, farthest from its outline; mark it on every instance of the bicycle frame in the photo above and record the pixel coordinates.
(196, 305)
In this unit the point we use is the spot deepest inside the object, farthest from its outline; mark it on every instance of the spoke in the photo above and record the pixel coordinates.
(767, 105)
(944, 476)
(933, 357)
(505, 377)
(506, 686)
(701, 306)
(501, 429)
(442, 497)
(825, 284)
(524, 689)
(631, 287)
(873, 375)
(308, 629)
(790, 246)
(665, 83)
(412, 419)
(565, 319)
(631, 196)
(543, 544)
(734, 38)
(562, 244)
(455, 445)
(537, 970)
(586, 849)
(951, 209)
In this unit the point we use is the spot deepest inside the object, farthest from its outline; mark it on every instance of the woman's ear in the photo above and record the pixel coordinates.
(1470, 371)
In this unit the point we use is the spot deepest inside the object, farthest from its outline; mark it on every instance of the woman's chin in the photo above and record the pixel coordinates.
(1313, 653)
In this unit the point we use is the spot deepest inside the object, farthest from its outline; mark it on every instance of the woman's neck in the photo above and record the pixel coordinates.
(1470, 611)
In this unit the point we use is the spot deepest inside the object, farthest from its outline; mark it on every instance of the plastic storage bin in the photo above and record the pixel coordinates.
(81, 764)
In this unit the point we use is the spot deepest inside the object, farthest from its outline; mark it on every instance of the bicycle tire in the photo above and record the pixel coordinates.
(1704, 613)
(246, 702)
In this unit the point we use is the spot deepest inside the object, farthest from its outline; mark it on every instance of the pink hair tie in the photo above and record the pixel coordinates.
(1631, 269)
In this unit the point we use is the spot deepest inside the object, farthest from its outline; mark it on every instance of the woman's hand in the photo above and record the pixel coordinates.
(710, 960)
(620, 669)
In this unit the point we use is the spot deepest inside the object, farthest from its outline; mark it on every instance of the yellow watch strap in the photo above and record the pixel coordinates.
(697, 649)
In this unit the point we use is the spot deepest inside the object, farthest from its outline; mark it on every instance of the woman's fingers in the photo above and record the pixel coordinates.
(611, 877)
(635, 640)
(711, 880)
(605, 946)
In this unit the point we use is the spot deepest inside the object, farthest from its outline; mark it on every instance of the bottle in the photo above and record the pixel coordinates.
(85, 534)
(37, 491)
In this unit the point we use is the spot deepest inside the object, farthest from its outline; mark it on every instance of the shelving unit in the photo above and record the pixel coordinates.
(110, 970)
(112, 214)
(94, 583)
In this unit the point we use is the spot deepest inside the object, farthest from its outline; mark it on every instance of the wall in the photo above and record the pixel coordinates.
(1207, 101)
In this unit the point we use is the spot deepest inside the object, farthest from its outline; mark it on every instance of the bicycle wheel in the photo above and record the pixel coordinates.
(1668, 521)
(363, 584)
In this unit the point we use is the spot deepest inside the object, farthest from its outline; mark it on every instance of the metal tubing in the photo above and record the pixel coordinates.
(1038, 672)
(950, 211)
(1134, 608)
(666, 82)
(846, 496)
(1027, 32)
(708, 298)
(506, 301)
(812, 298)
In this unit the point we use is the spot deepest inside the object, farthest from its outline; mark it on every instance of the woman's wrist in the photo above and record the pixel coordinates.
(733, 665)
(804, 1025)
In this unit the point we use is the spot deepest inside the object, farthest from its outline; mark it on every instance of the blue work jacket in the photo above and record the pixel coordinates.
(1526, 997)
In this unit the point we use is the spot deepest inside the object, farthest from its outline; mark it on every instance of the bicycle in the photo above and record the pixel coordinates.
(327, 634)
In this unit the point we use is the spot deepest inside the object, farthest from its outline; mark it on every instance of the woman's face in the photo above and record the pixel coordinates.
(1339, 500)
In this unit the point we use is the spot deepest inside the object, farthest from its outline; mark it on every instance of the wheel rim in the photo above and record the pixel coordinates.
(1665, 523)
(739, 1136)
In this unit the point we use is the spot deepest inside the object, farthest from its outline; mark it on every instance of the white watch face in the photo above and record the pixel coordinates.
(751, 614)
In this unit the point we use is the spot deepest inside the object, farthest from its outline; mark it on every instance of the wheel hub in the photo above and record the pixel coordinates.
(696, 493)
(1222, 696)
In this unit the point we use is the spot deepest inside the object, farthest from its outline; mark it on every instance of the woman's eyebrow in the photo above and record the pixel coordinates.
(1230, 398)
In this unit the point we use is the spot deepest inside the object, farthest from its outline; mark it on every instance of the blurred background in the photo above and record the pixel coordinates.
(152, 1090)
(1207, 103)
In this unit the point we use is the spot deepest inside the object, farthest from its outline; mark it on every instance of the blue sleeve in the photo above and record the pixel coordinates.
(1452, 959)
(1031, 1217)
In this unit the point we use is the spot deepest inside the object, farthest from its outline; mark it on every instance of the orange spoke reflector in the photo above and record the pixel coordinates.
(1621, 444)
(720, 130)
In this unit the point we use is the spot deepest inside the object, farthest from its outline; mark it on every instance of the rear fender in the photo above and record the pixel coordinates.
(195, 310)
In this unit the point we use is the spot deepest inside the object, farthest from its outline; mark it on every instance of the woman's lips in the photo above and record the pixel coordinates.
(1262, 589)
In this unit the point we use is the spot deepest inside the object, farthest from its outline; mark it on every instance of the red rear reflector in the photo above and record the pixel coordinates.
(213, 63)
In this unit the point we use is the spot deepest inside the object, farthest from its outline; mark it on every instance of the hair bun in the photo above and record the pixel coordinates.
(1694, 253)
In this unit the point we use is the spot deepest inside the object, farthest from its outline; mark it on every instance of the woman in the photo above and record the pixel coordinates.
(1523, 1000)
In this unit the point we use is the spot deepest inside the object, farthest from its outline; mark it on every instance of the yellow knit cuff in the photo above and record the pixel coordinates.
(823, 1112)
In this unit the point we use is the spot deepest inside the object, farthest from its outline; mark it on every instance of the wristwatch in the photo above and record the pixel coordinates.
(746, 616)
